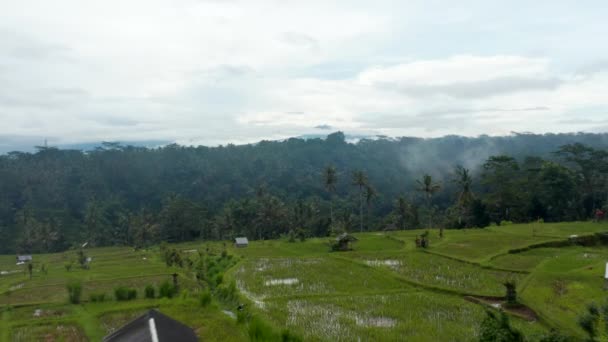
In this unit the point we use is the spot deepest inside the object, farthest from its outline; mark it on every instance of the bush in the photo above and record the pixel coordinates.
(132, 294)
(227, 293)
(205, 298)
(123, 293)
(74, 291)
(167, 290)
(498, 328)
(218, 279)
(259, 331)
(150, 292)
(511, 292)
(97, 297)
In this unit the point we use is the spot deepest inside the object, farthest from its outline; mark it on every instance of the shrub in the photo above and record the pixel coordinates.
(172, 257)
(123, 293)
(68, 266)
(498, 328)
(218, 279)
(227, 293)
(167, 290)
(82, 259)
(511, 292)
(260, 331)
(205, 298)
(150, 292)
(74, 291)
(97, 297)
(132, 294)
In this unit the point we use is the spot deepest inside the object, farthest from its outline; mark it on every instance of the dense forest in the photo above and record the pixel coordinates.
(55, 199)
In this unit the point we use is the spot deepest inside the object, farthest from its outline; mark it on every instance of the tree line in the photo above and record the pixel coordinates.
(123, 195)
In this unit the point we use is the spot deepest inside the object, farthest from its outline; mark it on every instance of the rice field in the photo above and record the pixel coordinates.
(437, 271)
(385, 289)
(276, 277)
(411, 316)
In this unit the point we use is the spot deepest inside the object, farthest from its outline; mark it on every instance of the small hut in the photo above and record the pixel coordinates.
(153, 326)
(22, 259)
(343, 242)
(241, 242)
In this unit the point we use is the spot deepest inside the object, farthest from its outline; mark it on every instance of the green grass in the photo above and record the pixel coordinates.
(479, 245)
(275, 277)
(564, 284)
(441, 272)
(385, 289)
(411, 316)
(525, 261)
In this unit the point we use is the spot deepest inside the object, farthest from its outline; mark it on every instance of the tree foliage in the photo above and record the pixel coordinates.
(123, 195)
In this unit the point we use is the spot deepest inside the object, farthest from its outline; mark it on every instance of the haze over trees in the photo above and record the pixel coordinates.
(125, 195)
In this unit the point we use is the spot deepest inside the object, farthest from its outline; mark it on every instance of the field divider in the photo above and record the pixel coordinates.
(93, 280)
(342, 294)
(560, 242)
(432, 288)
(475, 263)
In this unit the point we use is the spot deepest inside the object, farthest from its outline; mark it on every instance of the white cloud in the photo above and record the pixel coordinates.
(239, 71)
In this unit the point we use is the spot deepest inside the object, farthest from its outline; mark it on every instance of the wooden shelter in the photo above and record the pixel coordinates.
(241, 242)
(344, 242)
(24, 258)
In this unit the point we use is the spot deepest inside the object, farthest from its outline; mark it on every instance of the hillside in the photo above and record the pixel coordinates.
(385, 288)
(124, 195)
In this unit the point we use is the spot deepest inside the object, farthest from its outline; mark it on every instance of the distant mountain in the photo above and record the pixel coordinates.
(29, 144)
(350, 138)
(93, 145)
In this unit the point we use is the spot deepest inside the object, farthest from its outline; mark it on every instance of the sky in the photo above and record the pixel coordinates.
(215, 72)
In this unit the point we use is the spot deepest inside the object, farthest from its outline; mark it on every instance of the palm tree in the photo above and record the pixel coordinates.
(429, 188)
(330, 179)
(463, 178)
(360, 180)
(370, 193)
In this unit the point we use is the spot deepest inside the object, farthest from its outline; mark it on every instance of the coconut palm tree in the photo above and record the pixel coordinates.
(370, 193)
(429, 188)
(360, 180)
(462, 177)
(330, 179)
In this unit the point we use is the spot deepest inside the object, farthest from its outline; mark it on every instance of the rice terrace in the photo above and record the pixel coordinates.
(385, 288)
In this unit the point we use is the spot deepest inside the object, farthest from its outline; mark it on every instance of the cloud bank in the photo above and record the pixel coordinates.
(214, 72)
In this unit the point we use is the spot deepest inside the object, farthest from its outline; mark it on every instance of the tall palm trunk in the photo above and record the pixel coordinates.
(361, 208)
(428, 205)
(331, 208)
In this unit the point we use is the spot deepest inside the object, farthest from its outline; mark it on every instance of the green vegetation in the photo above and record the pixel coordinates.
(384, 289)
(150, 292)
(55, 200)
(97, 297)
(123, 293)
(167, 290)
(74, 291)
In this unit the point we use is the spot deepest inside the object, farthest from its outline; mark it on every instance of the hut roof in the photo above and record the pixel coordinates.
(241, 241)
(153, 326)
(24, 258)
(346, 237)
